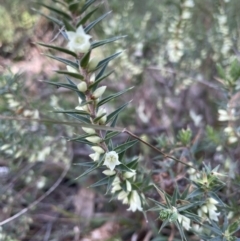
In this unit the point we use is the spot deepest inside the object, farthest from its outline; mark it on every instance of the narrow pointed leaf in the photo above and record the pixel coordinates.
(110, 135)
(84, 164)
(77, 112)
(72, 74)
(85, 59)
(86, 17)
(116, 112)
(66, 51)
(107, 60)
(101, 182)
(87, 5)
(67, 86)
(96, 44)
(56, 10)
(125, 146)
(68, 26)
(80, 117)
(95, 166)
(97, 81)
(52, 19)
(113, 96)
(92, 24)
(65, 61)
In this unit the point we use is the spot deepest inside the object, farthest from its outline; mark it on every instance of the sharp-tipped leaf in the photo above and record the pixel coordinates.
(52, 19)
(66, 51)
(107, 60)
(77, 112)
(87, 5)
(97, 81)
(92, 24)
(85, 59)
(72, 74)
(68, 26)
(113, 96)
(110, 135)
(115, 113)
(95, 166)
(125, 146)
(101, 182)
(65, 61)
(63, 85)
(96, 44)
(56, 10)
(84, 164)
(86, 17)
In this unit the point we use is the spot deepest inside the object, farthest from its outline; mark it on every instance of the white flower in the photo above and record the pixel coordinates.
(94, 139)
(135, 202)
(79, 41)
(98, 149)
(185, 221)
(223, 115)
(189, 3)
(128, 186)
(95, 156)
(209, 208)
(82, 86)
(99, 91)
(109, 172)
(111, 160)
(123, 196)
(89, 130)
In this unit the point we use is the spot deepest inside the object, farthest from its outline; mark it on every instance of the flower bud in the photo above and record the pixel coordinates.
(93, 63)
(109, 172)
(82, 86)
(129, 186)
(98, 149)
(71, 69)
(94, 156)
(99, 91)
(89, 130)
(94, 139)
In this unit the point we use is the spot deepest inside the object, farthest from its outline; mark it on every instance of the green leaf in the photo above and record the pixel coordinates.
(80, 94)
(110, 135)
(235, 70)
(66, 51)
(174, 197)
(78, 112)
(92, 24)
(86, 17)
(65, 61)
(52, 19)
(72, 74)
(68, 26)
(97, 81)
(81, 118)
(95, 166)
(113, 96)
(107, 60)
(233, 227)
(110, 181)
(96, 44)
(84, 164)
(56, 10)
(133, 164)
(63, 85)
(115, 113)
(125, 146)
(123, 168)
(101, 182)
(87, 5)
(221, 71)
(85, 59)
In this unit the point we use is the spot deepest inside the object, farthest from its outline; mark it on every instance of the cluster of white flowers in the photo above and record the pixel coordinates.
(210, 209)
(128, 196)
(184, 221)
(175, 45)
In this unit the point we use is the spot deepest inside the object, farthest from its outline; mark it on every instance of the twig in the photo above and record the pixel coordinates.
(23, 211)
